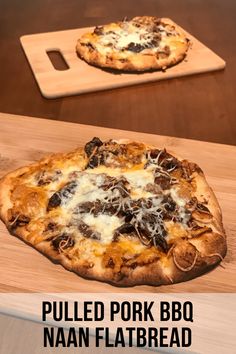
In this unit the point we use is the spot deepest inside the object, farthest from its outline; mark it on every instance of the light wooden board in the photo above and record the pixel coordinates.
(25, 139)
(213, 327)
(81, 77)
(22, 336)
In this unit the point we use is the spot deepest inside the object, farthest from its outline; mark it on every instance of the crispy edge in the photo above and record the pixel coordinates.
(205, 191)
(154, 274)
(138, 61)
(151, 274)
(6, 185)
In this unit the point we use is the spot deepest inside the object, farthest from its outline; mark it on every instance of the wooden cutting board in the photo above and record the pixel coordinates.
(81, 77)
(25, 139)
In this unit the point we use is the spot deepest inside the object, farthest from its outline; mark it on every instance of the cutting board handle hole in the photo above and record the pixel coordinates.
(57, 60)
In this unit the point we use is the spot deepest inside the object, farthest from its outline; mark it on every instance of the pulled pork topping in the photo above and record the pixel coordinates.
(147, 220)
(115, 202)
(63, 195)
(143, 218)
(18, 219)
(120, 185)
(62, 242)
(111, 153)
(91, 147)
(96, 208)
(163, 159)
(46, 177)
(88, 231)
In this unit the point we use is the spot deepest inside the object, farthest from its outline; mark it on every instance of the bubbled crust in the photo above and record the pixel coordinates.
(186, 259)
(128, 61)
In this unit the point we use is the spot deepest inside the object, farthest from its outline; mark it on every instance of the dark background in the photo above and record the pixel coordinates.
(199, 107)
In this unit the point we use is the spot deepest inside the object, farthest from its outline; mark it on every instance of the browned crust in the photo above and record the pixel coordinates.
(212, 246)
(6, 183)
(137, 61)
(187, 259)
(5, 191)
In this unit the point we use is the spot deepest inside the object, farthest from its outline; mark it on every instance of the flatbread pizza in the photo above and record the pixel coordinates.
(121, 212)
(141, 44)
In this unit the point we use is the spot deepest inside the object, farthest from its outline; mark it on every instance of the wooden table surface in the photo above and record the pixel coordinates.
(200, 107)
(25, 139)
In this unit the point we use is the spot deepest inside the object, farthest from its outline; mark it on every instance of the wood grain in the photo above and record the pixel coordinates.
(213, 327)
(25, 139)
(22, 336)
(81, 77)
(199, 107)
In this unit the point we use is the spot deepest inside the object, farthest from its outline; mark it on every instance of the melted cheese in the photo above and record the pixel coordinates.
(89, 189)
(121, 37)
(104, 224)
(178, 200)
(139, 178)
(112, 172)
(134, 37)
(181, 202)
